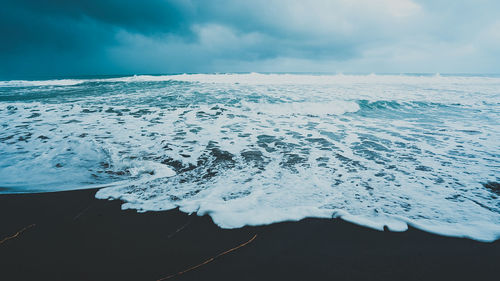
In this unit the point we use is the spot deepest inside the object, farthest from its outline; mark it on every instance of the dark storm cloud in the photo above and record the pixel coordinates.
(142, 16)
(72, 37)
(80, 24)
(57, 37)
(39, 37)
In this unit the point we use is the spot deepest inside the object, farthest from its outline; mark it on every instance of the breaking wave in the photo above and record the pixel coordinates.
(250, 149)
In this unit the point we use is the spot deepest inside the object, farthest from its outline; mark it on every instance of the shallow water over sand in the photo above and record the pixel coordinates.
(256, 149)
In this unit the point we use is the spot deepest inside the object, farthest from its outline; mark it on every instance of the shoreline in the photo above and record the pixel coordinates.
(71, 235)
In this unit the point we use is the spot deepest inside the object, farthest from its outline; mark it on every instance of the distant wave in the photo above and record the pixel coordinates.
(259, 78)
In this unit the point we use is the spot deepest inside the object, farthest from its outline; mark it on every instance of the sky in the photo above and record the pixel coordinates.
(96, 37)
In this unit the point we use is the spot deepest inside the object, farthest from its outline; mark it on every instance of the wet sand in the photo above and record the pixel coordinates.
(73, 236)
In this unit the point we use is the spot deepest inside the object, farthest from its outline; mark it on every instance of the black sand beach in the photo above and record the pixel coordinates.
(73, 236)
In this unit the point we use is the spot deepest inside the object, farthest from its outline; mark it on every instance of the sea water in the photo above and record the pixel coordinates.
(251, 149)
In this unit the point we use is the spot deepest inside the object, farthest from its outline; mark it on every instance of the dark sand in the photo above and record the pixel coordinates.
(77, 237)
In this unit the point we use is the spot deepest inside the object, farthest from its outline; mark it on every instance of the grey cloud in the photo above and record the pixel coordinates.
(57, 37)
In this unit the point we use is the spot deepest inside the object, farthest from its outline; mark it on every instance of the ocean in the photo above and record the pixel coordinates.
(383, 151)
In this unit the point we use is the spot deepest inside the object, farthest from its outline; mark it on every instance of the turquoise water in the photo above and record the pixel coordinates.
(249, 149)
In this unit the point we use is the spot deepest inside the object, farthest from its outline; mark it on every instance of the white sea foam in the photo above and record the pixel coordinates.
(252, 149)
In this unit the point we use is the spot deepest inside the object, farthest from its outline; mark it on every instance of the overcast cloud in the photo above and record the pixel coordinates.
(64, 37)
